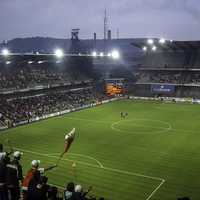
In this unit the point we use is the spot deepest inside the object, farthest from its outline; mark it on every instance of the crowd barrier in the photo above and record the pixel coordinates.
(168, 99)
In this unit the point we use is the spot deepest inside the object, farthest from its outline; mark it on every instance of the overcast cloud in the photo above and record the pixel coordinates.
(173, 19)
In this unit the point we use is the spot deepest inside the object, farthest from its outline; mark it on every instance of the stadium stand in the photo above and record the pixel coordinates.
(24, 108)
(174, 63)
(32, 90)
(27, 76)
(36, 89)
(31, 87)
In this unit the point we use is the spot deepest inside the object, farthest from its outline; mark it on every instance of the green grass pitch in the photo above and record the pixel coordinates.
(152, 154)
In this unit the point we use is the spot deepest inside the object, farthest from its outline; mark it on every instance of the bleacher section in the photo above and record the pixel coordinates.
(174, 63)
(164, 59)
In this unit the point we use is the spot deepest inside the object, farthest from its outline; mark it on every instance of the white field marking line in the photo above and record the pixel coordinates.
(106, 122)
(109, 169)
(51, 156)
(165, 129)
(97, 166)
(114, 123)
(80, 155)
(142, 119)
(155, 190)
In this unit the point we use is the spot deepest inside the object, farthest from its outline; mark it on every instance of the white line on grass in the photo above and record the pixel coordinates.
(97, 166)
(155, 190)
(80, 155)
(105, 168)
(165, 129)
(107, 122)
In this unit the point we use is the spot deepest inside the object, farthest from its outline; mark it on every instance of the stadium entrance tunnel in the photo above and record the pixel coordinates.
(141, 126)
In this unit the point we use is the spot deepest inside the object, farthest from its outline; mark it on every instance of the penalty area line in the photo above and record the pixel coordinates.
(162, 181)
(96, 166)
(79, 155)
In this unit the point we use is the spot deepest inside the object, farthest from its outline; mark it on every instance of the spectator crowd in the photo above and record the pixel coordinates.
(168, 77)
(24, 108)
(21, 75)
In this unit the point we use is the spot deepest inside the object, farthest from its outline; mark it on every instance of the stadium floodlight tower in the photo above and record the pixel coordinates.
(5, 52)
(115, 54)
(59, 53)
(150, 41)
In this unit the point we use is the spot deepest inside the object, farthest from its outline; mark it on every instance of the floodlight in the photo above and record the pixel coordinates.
(5, 52)
(154, 48)
(40, 62)
(8, 62)
(94, 53)
(150, 41)
(171, 40)
(59, 53)
(162, 41)
(101, 54)
(115, 54)
(144, 48)
(37, 53)
(30, 62)
(109, 54)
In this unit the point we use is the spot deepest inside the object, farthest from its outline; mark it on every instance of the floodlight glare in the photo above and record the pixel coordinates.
(109, 54)
(144, 48)
(94, 53)
(115, 54)
(162, 41)
(5, 52)
(101, 54)
(59, 53)
(150, 41)
(154, 48)
(40, 62)
(8, 62)
(30, 62)
(171, 40)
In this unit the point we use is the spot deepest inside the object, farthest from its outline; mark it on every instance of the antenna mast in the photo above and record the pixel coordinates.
(105, 24)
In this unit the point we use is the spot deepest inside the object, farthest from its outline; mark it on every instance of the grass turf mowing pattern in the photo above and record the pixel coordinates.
(159, 140)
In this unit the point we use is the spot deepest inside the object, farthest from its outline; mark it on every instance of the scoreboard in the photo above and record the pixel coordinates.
(114, 87)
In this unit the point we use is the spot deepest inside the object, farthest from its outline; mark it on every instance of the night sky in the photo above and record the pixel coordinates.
(172, 19)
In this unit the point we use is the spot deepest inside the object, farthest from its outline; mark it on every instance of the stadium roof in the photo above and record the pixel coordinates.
(170, 45)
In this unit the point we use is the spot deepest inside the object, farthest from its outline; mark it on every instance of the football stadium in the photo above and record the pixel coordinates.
(99, 119)
(133, 139)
